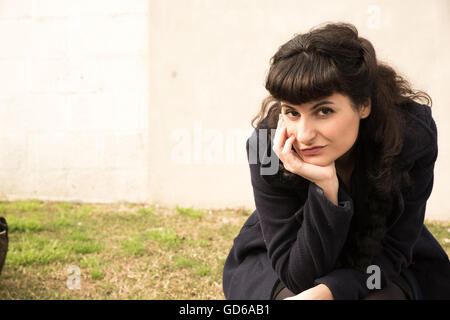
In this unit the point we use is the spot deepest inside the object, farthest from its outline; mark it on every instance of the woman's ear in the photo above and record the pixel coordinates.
(365, 109)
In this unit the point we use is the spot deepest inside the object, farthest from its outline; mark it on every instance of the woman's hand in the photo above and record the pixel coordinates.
(324, 177)
(319, 292)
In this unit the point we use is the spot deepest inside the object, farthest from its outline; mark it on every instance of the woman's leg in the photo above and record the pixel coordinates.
(284, 293)
(391, 292)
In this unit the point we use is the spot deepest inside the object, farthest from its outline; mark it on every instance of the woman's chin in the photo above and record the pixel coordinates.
(317, 161)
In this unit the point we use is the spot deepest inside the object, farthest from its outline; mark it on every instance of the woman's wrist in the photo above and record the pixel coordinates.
(330, 189)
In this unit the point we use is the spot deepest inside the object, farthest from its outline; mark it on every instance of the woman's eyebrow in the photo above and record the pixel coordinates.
(312, 108)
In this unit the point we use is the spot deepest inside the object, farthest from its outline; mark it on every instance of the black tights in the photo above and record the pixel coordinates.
(391, 292)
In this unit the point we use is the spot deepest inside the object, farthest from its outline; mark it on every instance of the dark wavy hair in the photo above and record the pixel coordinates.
(333, 59)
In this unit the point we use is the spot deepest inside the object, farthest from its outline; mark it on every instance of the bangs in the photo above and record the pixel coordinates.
(303, 78)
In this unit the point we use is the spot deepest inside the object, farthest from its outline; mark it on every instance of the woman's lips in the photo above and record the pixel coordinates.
(312, 151)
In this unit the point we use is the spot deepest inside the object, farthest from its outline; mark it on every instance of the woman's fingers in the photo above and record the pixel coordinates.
(291, 160)
(282, 146)
(280, 137)
(288, 145)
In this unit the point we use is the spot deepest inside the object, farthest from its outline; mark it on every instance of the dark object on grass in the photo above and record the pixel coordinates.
(3, 242)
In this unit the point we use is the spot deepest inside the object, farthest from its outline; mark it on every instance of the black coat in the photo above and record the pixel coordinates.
(297, 242)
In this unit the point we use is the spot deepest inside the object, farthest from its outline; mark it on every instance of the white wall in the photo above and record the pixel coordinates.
(152, 100)
(74, 99)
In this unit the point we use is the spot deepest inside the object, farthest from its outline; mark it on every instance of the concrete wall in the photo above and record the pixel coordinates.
(152, 100)
(74, 99)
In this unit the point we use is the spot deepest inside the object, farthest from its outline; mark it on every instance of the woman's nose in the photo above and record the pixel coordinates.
(305, 132)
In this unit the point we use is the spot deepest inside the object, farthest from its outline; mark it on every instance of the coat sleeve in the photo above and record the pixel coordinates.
(398, 244)
(303, 240)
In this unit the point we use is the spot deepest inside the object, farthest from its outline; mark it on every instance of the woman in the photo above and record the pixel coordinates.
(344, 219)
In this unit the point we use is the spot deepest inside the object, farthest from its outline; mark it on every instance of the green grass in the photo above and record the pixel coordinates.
(165, 237)
(133, 247)
(123, 251)
(147, 211)
(24, 225)
(190, 212)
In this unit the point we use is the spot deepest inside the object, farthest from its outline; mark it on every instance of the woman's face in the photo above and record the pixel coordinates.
(331, 123)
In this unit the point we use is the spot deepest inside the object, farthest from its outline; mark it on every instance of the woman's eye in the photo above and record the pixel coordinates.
(291, 113)
(326, 111)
